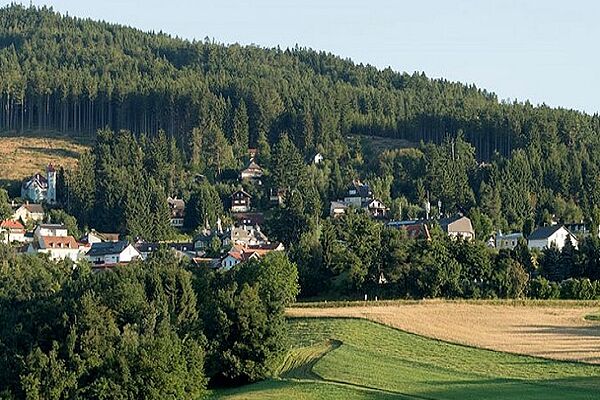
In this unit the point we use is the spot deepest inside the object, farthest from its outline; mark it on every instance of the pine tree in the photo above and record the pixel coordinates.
(240, 131)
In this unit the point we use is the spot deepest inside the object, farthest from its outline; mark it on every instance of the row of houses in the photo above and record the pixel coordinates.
(460, 226)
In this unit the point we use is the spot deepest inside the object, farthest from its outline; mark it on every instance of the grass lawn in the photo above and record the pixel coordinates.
(337, 358)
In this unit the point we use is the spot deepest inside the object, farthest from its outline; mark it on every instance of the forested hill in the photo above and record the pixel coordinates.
(75, 75)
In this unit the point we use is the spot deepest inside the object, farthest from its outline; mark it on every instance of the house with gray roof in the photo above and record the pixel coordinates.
(547, 236)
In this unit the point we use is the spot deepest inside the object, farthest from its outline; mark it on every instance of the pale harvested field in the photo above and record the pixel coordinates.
(553, 331)
(22, 156)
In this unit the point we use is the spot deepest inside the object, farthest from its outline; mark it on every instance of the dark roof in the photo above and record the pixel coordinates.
(34, 208)
(253, 218)
(362, 189)
(243, 192)
(105, 248)
(544, 232)
(144, 247)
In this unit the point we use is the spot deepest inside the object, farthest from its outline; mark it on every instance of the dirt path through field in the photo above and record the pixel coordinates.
(558, 332)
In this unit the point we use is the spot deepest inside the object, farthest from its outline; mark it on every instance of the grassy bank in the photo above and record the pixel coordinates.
(357, 359)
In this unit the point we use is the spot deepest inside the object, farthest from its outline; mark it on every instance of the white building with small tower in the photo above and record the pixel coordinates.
(40, 188)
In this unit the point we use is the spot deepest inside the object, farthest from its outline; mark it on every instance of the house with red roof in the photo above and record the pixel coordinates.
(12, 231)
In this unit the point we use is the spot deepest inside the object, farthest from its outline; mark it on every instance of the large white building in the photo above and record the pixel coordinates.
(547, 236)
(41, 188)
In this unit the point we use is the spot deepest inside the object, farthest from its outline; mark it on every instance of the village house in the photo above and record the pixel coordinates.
(318, 158)
(246, 235)
(252, 172)
(358, 196)
(457, 226)
(180, 250)
(236, 256)
(508, 241)
(29, 212)
(12, 231)
(337, 208)
(250, 218)
(276, 197)
(54, 240)
(376, 208)
(358, 193)
(547, 236)
(58, 230)
(239, 254)
(240, 201)
(177, 207)
(108, 254)
(415, 229)
(94, 236)
(41, 188)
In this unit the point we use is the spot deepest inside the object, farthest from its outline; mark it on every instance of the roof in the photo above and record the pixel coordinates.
(106, 248)
(444, 222)
(415, 228)
(362, 189)
(249, 218)
(176, 203)
(338, 204)
(10, 224)
(53, 226)
(177, 207)
(242, 191)
(253, 166)
(510, 236)
(58, 242)
(34, 208)
(145, 247)
(544, 232)
(38, 179)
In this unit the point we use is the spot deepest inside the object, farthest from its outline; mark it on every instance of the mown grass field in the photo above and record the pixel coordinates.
(23, 154)
(340, 358)
(563, 330)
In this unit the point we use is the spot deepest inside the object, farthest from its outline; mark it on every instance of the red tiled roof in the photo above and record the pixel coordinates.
(10, 224)
(59, 242)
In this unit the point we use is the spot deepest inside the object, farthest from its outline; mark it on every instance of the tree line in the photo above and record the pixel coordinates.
(151, 330)
(77, 75)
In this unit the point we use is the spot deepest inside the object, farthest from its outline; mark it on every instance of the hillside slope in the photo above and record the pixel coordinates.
(70, 74)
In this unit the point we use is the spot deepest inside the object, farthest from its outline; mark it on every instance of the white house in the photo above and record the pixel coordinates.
(58, 230)
(12, 231)
(252, 172)
(318, 158)
(94, 236)
(508, 241)
(29, 212)
(547, 236)
(41, 188)
(57, 247)
(106, 254)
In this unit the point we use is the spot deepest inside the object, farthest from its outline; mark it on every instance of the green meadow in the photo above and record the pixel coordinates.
(357, 359)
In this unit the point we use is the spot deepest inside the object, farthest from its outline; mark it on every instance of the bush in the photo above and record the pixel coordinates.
(542, 288)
